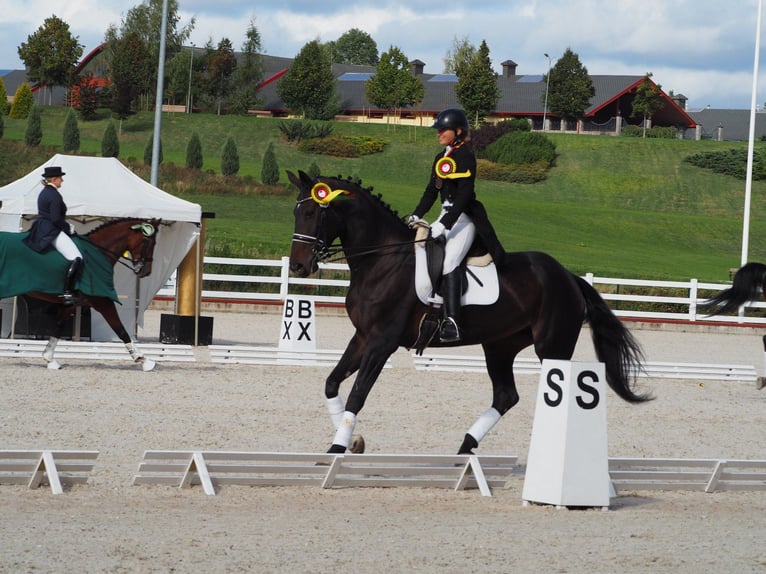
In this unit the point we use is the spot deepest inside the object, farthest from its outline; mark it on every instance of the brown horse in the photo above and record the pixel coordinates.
(130, 241)
(540, 303)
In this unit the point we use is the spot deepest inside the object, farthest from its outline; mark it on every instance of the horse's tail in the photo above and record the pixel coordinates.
(747, 284)
(615, 345)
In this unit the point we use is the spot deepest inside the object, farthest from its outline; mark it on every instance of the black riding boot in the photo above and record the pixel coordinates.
(72, 274)
(450, 331)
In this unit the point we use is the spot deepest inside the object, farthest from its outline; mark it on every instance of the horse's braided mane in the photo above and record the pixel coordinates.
(368, 190)
(114, 222)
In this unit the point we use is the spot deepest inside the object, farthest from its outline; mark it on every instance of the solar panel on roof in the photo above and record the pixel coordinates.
(530, 79)
(444, 78)
(355, 76)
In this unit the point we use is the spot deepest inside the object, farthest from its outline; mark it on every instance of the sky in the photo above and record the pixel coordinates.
(703, 49)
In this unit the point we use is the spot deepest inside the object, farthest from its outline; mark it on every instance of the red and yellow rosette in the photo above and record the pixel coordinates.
(324, 194)
(446, 168)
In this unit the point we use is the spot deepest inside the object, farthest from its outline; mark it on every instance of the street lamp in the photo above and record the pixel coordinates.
(547, 83)
(188, 96)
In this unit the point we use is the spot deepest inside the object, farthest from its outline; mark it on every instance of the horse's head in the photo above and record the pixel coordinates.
(315, 226)
(140, 246)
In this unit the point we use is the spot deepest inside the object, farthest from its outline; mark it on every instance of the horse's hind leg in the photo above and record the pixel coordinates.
(499, 358)
(109, 312)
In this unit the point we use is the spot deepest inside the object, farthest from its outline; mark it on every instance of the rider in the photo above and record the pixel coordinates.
(462, 216)
(51, 228)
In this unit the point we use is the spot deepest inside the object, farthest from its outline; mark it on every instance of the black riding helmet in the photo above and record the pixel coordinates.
(451, 119)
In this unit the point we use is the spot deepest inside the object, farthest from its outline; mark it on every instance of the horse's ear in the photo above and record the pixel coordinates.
(307, 180)
(294, 179)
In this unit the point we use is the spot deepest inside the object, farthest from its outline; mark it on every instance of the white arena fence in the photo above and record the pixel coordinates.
(265, 280)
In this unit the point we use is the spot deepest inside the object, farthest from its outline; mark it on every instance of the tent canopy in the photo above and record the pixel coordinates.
(96, 189)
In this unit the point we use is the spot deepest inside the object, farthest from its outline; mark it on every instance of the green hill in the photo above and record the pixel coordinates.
(617, 207)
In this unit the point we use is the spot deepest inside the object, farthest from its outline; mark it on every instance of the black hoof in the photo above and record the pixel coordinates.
(336, 449)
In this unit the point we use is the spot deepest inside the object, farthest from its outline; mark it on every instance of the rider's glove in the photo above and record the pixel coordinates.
(412, 220)
(72, 230)
(437, 229)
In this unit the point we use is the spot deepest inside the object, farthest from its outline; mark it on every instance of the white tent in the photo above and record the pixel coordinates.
(97, 189)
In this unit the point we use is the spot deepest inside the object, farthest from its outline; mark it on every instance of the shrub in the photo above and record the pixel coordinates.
(343, 146)
(296, 130)
(313, 170)
(522, 148)
(149, 150)
(524, 173)
(34, 132)
(230, 158)
(110, 145)
(489, 133)
(5, 107)
(2, 126)
(22, 102)
(660, 132)
(194, 152)
(71, 134)
(731, 162)
(270, 169)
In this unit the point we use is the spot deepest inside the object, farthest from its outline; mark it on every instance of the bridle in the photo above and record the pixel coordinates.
(136, 264)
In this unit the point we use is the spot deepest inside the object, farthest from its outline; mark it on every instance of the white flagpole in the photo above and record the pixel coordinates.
(751, 139)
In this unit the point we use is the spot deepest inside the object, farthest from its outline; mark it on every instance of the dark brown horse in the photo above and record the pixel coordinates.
(130, 241)
(540, 304)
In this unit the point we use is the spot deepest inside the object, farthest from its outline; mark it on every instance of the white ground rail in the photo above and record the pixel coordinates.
(53, 467)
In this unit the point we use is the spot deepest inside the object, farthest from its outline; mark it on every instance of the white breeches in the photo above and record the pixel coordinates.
(459, 241)
(64, 245)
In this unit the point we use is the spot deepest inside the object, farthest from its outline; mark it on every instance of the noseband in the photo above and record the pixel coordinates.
(320, 248)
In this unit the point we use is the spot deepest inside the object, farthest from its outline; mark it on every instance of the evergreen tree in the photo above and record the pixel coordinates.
(230, 158)
(476, 88)
(71, 132)
(570, 87)
(34, 132)
(194, 152)
(308, 87)
(149, 149)
(110, 144)
(270, 169)
(314, 170)
(5, 107)
(2, 126)
(22, 102)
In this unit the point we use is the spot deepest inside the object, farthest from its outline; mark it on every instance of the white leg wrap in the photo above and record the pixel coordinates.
(484, 424)
(346, 428)
(50, 348)
(335, 408)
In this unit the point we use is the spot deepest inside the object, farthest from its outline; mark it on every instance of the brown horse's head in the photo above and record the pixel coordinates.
(133, 239)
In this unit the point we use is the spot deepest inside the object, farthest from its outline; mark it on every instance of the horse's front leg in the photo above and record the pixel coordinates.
(369, 359)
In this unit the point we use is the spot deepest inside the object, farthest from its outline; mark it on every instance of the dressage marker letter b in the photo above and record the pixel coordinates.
(298, 332)
(567, 463)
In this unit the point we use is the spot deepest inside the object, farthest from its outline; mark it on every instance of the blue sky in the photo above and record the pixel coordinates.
(703, 49)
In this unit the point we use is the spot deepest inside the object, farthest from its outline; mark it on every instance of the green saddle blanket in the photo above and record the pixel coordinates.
(23, 270)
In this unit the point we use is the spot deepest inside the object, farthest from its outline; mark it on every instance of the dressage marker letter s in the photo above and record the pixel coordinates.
(298, 331)
(567, 463)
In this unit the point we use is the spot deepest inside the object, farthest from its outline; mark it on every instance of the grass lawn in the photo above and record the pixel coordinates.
(619, 207)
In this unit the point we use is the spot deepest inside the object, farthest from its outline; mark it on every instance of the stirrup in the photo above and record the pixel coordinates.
(70, 298)
(449, 332)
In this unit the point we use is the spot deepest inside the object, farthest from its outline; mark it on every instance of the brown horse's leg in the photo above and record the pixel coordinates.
(108, 310)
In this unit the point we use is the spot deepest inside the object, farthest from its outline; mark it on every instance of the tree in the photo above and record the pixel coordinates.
(110, 144)
(85, 96)
(71, 136)
(570, 87)
(476, 88)
(461, 54)
(2, 126)
(5, 107)
(270, 168)
(308, 87)
(149, 150)
(22, 102)
(34, 132)
(145, 22)
(220, 69)
(230, 158)
(51, 53)
(129, 66)
(248, 74)
(354, 47)
(194, 152)
(647, 100)
(393, 85)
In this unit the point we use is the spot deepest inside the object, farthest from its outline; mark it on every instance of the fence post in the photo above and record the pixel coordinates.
(285, 277)
(589, 278)
(693, 300)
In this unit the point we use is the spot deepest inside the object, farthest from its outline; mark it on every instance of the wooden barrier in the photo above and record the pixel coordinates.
(102, 351)
(708, 475)
(53, 467)
(248, 355)
(213, 469)
(652, 369)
